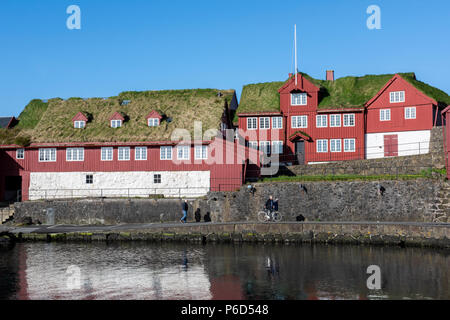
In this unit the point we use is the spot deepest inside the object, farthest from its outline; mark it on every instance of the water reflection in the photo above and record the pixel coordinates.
(219, 271)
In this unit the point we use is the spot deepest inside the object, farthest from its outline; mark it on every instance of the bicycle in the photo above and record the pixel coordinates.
(265, 216)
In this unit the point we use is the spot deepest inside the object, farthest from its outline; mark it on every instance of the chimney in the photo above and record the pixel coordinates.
(330, 75)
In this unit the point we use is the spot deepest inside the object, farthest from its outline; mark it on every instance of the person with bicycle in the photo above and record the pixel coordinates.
(270, 206)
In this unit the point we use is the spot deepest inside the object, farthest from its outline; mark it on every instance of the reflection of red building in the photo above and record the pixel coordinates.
(227, 287)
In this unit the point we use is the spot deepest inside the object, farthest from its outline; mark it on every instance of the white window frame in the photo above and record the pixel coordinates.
(299, 122)
(153, 122)
(299, 99)
(277, 147)
(397, 96)
(140, 153)
(333, 122)
(320, 143)
(253, 145)
(347, 145)
(321, 121)
(107, 154)
(409, 113)
(75, 154)
(47, 155)
(264, 123)
(185, 152)
(252, 123)
(335, 145)
(21, 152)
(348, 117)
(79, 124)
(265, 147)
(201, 152)
(123, 153)
(116, 123)
(384, 113)
(277, 123)
(165, 153)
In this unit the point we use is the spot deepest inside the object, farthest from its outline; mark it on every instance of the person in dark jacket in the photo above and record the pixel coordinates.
(198, 216)
(207, 217)
(270, 206)
(184, 209)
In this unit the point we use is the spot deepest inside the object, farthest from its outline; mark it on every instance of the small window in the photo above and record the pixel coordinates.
(140, 153)
(397, 96)
(124, 153)
(253, 145)
(252, 123)
(79, 124)
(20, 154)
(299, 122)
(321, 121)
(264, 146)
(89, 179)
(410, 113)
(165, 153)
(183, 152)
(299, 99)
(153, 122)
(116, 123)
(107, 154)
(322, 146)
(75, 154)
(335, 145)
(264, 123)
(349, 120)
(156, 178)
(125, 102)
(349, 145)
(385, 114)
(47, 155)
(277, 147)
(277, 123)
(201, 152)
(335, 120)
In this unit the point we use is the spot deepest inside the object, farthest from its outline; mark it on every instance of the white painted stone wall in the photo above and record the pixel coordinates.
(61, 185)
(409, 143)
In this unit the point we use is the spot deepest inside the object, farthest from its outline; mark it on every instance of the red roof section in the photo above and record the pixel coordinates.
(80, 116)
(153, 114)
(117, 116)
(303, 84)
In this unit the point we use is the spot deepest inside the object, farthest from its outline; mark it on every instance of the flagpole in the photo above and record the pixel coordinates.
(295, 45)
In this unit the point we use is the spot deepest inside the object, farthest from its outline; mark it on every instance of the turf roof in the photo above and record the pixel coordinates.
(51, 121)
(346, 92)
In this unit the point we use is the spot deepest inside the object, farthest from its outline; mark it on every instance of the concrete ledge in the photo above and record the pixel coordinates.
(368, 233)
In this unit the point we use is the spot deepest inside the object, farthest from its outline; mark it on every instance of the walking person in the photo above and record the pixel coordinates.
(184, 209)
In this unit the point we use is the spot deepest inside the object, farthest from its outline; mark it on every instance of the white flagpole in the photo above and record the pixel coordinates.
(295, 45)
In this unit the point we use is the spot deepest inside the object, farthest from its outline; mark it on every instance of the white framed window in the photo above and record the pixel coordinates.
(335, 120)
(277, 147)
(79, 124)
(335, 145)
(183, 152)
(123, 153)
(299, 99)
(107, 154)
(253, 145)
(75, 154)
(140, 153)
(277, 123)
(299, 122)
(252, 123)
(47, 155)
(349, 145)
(20, 154)
(201, 152)
(397, 96)
(264, 146)
(322, 145)
(385, 114)
(153, 122)
(264, 123)
(410, 112)
(321, 121)
(349, 120)
(165, 153)
(116, 123)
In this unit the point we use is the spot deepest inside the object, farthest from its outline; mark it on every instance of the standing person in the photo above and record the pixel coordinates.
(198, 216)
(275, 206)
(184, 209)
(270, 206)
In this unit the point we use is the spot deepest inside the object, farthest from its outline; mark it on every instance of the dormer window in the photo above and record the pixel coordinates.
(79, 124)
(397, 96)
(299, 99)
(153, 122)
(116, 123)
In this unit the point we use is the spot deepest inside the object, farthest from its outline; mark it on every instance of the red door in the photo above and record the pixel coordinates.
(391, 145)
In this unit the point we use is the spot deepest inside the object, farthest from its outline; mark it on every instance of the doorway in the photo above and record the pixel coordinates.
(300, 151)
(13, 188)
(391, 145)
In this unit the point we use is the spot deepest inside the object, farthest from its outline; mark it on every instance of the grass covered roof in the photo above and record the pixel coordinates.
(51, 121)
(346, 92)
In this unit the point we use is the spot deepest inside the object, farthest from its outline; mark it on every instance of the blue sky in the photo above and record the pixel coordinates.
(153, 45)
